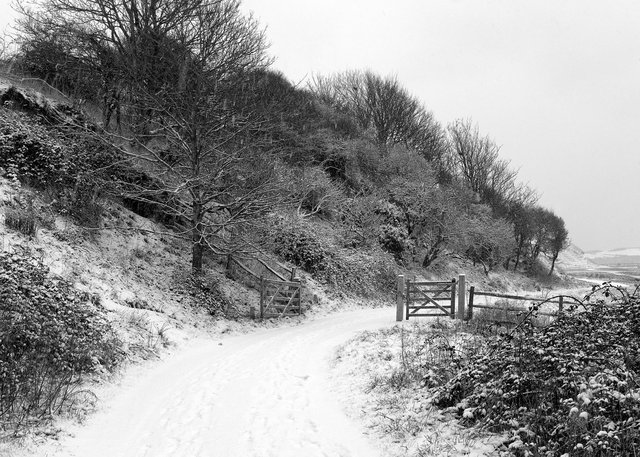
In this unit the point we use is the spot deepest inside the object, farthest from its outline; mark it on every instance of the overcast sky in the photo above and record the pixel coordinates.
(555, 82)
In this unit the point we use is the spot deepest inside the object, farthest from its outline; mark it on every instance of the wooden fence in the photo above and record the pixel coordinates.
(280, 290)
(250, 270)
(560, 300)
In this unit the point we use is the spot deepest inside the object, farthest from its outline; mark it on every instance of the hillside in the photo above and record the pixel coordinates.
(125, 242)
(615, 257)
(573, 258)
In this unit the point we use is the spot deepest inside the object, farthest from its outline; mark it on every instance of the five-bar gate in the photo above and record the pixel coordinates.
(423, 298)
(280, 298)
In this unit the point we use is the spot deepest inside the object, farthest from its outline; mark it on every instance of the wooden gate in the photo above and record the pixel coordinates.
(422, 298)
(280, 298)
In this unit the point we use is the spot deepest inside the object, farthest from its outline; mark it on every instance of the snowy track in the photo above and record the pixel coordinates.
(259, 395)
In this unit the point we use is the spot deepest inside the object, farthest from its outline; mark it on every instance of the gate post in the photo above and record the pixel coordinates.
(462, 295)
(452, 314)
(399, 301)
(261, 297)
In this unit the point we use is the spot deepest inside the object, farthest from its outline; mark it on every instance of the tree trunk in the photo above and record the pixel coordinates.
(427, 260)
(518, 254)
(431, 255)
(553, 263)
(484, 267)
(197, 248)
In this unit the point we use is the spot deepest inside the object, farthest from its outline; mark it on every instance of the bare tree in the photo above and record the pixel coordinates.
(421, 210)
(485, 239)
(385, 107)
(474, 154)
(557, 238)
(184, 64)
(4, 45)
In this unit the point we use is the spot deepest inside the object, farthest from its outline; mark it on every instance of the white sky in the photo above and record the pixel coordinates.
(555, 82)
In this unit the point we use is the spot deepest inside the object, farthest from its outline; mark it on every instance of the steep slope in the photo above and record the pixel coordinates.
(574, 258)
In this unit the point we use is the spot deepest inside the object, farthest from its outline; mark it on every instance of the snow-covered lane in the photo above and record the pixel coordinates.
(263, 394)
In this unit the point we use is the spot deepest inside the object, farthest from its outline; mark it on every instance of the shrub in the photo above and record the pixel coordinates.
(365, 274)
(393, 235)
(313, 191)
(361, 222)
(21, 220)
(65, 166)
(486, 240)
(28, 153)
(82, 202)
(298, 245)
(568, 388)
(51, 336)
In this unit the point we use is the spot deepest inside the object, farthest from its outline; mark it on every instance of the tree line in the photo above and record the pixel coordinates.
(463, 162)
(197, 107)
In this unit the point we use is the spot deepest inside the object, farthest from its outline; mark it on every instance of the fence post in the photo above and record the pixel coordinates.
(452, 314)
(472, 289)
(462, 295)
(299, 292)
(261, 297)
(560, 304)
(407, 289)
(399, 296)
(293, 273)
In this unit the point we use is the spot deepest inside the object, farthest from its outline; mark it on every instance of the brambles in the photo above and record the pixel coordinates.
(566, 387)
(52, 335)
(570, 387)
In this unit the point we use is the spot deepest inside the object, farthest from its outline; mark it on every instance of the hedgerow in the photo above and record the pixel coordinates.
(571, 388)
(50, 337)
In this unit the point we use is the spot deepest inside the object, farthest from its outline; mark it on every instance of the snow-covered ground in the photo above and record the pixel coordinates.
(634, 252)
(267, 393)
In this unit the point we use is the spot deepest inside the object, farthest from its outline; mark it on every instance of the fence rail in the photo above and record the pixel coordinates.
(257, 268)
(560, 300)
(279, 297)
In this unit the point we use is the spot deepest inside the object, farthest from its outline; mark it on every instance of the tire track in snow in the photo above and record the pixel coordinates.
(265, 394)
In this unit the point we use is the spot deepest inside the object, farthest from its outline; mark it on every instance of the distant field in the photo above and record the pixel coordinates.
(621, 266)
(624, 274)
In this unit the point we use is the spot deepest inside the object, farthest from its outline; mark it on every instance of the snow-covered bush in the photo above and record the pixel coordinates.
(571, 387)
(297, 244)
(50, 336)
